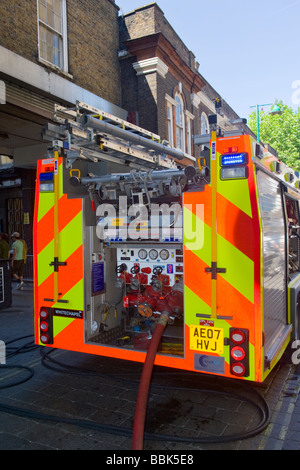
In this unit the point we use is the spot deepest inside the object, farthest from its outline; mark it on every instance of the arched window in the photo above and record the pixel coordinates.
(204, 124)
(179, 122)
(170, 123)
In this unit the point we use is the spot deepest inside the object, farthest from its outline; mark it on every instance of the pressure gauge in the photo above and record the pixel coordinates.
(164, 254)
(153, 254)
(142, 254)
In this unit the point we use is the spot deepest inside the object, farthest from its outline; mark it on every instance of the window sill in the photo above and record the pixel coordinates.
(186, 155)
(55, 68)
(190, 157)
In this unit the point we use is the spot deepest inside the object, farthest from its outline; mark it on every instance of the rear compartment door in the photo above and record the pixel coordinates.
(274, 260)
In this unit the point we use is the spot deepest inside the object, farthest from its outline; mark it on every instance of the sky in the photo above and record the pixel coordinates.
(249, 51)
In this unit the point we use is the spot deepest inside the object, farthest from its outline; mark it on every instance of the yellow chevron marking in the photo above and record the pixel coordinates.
(237, 192)
(239, 268)
(74, 297)
(70, 237)
(193, 305)
(60, 323)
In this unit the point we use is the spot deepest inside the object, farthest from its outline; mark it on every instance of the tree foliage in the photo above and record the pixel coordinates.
(282, 132)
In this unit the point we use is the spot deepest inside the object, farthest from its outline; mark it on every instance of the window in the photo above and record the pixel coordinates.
(204, 124)
(170, 123)
(52, 23)
(189, 135)
(179, 123)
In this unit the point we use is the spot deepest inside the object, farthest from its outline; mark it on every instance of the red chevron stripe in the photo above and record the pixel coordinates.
(195, 277)
(72, 274)
(239, 232)
(230, 302)
(67, 210)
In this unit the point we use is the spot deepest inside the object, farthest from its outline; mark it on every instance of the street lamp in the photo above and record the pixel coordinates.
(275, 110)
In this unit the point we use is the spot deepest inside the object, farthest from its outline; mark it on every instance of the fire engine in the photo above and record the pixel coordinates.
(129, 232)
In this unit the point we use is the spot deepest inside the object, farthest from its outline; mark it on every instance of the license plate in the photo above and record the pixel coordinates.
(207, 338)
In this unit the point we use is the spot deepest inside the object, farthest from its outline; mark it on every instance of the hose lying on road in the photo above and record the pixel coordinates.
(142, 399)
(121, 431)
(256, 401)
(29, 375)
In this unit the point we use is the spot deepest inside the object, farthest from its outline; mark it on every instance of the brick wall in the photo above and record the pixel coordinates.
(18, 26)
(138, 24)
(93, 41)
(93, 47)
(150, 20)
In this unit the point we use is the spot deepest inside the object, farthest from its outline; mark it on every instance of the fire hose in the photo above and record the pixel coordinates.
(142, 398)
(257, 401)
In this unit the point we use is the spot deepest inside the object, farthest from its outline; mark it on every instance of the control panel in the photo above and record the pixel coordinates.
(161, 258)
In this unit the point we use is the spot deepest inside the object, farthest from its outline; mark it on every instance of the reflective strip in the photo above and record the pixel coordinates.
(239, 231)
(69, 250)
(66, 213)
(237, 193)
(198, 283)
(70, 238)
(45, 205)
(239, 268)
(44, 260)
(60, 323)
(197, 235)
(70, 283)
(73, 294)
(234, 245)
(194, 304)
(45, 228)
(214, 224)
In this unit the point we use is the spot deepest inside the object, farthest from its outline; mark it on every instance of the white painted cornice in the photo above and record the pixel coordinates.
(153, 65)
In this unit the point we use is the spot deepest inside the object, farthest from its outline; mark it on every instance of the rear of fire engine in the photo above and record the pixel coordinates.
(124, 236)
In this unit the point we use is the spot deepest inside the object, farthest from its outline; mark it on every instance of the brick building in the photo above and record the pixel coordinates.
(161, 83)
(51, 51)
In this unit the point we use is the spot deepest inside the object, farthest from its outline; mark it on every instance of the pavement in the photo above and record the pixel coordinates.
(62, 400)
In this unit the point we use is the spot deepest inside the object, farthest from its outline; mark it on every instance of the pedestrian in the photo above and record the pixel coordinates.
(17, 261)
(4, 246)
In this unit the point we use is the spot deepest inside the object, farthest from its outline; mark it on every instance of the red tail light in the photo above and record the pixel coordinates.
(44, 314)
(46, 325)
(239, 352)
(237, 336)
(238, 369)
(44, 338)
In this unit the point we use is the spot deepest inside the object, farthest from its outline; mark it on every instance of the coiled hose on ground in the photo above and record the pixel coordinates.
(256, 400)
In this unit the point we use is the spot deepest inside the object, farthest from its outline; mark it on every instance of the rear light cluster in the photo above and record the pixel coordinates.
(46, 325)
(239, 352)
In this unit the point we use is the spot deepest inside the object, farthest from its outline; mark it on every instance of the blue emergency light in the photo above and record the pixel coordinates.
(47, 182)
(234, 159)
(47, 176)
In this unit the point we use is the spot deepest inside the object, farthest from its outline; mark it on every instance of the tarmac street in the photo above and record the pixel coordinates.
(63, 400)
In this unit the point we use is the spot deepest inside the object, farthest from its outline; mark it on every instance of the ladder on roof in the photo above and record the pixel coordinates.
(83, 108)
(105, 137)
